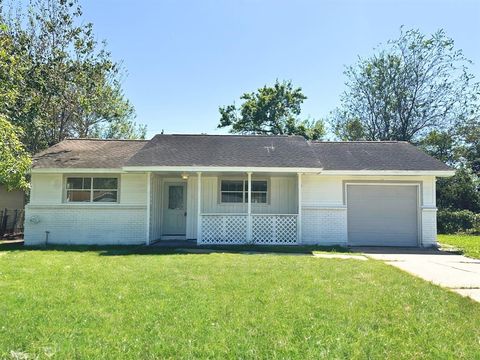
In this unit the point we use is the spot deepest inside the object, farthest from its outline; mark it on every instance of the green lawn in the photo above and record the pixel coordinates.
(129, 303)
(468, 244)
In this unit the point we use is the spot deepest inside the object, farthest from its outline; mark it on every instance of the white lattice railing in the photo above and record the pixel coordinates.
(274, 229)
(224, 229)
(266, 229)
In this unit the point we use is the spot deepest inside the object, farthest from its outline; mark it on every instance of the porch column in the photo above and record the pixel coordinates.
(199, 207)
(249, 208)
(149, 202)
(299, 216)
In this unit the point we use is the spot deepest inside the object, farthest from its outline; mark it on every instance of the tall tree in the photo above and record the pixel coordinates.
(14, 160)
(411, 86)
(419, 88)
(442, 145)
(271, 110)
(347, 127)
(469, 133)
(70, 86)
(12, 70)
(460, 192)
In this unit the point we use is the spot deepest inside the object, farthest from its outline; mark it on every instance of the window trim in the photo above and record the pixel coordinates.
(232, 192)
(91, 202)
(244, 191)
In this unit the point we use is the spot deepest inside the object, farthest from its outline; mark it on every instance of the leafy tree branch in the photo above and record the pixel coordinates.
(273, 110)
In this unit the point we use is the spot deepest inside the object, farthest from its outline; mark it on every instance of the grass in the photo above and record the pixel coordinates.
(468, 244)
(123, 302)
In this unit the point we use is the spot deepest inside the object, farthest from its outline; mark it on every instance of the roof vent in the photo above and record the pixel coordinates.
(270, 148)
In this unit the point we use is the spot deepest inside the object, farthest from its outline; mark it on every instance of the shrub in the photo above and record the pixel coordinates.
(450, 221)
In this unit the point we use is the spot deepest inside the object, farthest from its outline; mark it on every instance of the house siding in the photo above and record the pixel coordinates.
(133, 189)
(85, 223)
(46, 189)
(156, 202)
(282, 199)
(324, 209)
(323, 220)
(282, 196)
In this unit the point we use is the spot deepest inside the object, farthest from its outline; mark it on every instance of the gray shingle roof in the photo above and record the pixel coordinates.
(236, 151)
(226, 150)
(88, 153)
(374, 155)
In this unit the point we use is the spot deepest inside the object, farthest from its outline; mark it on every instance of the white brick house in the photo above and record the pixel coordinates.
(230, 189)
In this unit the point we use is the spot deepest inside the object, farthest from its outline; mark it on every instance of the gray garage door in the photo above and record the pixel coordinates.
(382, 215)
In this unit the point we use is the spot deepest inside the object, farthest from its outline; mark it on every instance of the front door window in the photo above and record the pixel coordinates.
(175, 197)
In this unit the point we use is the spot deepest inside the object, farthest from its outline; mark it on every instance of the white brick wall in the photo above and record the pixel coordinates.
(85, 224)
(429, 227)
(324, 214)
(324, 226)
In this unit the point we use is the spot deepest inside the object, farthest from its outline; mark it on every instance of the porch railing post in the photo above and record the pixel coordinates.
(299, 210)
(149, 202)
(249, 208)
(199, 207)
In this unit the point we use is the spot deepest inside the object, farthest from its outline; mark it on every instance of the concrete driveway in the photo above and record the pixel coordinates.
(455, 272)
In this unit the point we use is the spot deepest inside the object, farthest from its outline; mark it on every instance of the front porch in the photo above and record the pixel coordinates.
(227, 208)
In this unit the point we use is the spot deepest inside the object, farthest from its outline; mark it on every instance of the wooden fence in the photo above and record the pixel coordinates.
(11, 222)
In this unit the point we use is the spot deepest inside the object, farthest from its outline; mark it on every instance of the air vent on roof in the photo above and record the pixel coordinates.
(270, 148)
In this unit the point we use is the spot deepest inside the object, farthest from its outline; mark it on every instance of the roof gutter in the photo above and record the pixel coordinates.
(76, 170)
(222, 169)
(437, 173)
(206, 169)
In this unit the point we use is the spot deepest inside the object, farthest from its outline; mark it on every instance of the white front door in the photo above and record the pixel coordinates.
(174, 208)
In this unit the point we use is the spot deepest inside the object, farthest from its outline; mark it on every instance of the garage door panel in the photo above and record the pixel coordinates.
(383, 222)
(382, 215)
(383, 228)
(379, 239)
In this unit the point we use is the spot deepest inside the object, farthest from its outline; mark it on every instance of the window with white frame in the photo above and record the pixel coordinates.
(92, 189)
(236, 191)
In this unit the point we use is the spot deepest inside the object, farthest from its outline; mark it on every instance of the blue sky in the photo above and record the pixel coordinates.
(186, 58)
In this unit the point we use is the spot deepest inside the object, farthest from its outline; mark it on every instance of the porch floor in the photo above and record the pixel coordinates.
(179, 244)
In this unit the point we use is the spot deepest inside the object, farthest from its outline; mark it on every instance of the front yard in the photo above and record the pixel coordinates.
(128, 303)
(468, 244)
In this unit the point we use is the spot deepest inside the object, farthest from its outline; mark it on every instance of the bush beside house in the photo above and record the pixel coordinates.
(458, 221)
